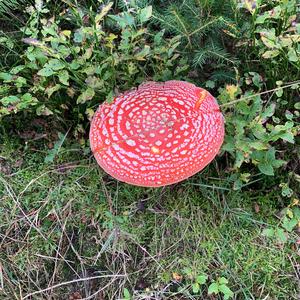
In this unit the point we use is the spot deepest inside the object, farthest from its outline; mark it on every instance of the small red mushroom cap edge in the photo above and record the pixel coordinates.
(157, 134)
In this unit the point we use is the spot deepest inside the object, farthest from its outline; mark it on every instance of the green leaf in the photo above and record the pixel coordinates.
(52, 89)
(145, 14)
(292, 55)
(85, 96)
(143, 53)
(268, 232)
(126, 294)
(64, 77)
(289, 224)
(6, 76)
(9, 100)
(57, 146)
(210, 84)
(223, 280)
(271, 54)
(266, 168)
(257, 145)
(288, 136)
(260, 19)
(43, 111)
(281, 235)
(78, 36)
(279, 92)
(123, 20)
(46, 72)
(213, 288)
(103, 12)
(226, 291)
(201, 279)
(55, 64)
(195, 288)
(297, 105)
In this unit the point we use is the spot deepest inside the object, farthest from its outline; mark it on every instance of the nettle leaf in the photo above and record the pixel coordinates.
(260, 19)
(145, 14)
(282, 132)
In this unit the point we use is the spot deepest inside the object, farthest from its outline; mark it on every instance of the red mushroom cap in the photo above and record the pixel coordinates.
(157, 134)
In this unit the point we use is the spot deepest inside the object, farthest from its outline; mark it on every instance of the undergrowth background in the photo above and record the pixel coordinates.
(69, 231)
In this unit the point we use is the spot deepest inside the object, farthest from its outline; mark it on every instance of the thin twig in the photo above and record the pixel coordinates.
(258, 94)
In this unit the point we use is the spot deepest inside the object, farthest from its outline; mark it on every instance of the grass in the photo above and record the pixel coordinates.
(69, 230)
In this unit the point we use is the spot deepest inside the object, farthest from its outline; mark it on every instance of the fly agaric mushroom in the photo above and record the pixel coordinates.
(157, 134)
